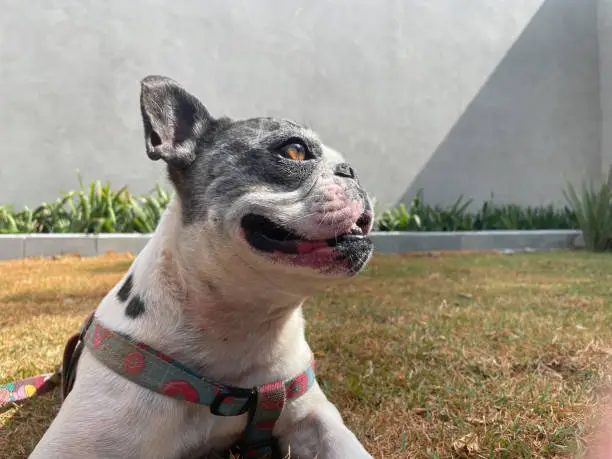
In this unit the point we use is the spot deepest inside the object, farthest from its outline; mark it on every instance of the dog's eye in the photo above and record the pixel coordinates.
(294, 151)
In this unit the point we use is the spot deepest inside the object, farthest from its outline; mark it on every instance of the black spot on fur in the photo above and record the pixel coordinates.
(135, 307)
(126, 289)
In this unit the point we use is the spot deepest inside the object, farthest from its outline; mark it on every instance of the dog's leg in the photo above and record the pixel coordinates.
(321, 433)
(84, 427)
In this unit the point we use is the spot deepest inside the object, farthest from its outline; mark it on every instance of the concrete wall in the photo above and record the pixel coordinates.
(456, 97)
(604, 24)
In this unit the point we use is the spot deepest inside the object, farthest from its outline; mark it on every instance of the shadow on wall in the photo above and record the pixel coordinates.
(535, 123)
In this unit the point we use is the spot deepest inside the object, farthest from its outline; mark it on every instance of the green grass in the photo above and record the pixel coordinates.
(433, 356)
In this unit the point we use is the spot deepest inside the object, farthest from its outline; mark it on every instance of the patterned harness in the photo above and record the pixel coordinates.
(159, 373)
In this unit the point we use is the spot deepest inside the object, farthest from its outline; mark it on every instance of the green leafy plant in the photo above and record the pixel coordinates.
(592, 206)
(95, 208)
(420, 216)
(399, 220)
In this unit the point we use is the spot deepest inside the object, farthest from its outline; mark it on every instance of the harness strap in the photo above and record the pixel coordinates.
(156, 371)
(159, 373)
(257, 436)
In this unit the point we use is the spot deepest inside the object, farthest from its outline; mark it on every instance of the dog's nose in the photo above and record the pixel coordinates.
(344, 170)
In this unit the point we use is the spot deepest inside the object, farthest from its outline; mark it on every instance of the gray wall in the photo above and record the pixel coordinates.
(453, 96)
(605, 65)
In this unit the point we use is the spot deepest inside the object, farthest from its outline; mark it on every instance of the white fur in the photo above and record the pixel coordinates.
(240, 327)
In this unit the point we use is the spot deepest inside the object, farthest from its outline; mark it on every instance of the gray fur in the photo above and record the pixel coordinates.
(217, 161)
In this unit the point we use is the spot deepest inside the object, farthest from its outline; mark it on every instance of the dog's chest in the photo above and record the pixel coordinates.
(146, 423)
(198, 434)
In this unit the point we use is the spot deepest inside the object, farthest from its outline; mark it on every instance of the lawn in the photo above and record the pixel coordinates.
(434, 356)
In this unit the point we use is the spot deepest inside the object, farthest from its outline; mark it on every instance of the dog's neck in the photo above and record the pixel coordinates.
(216, 315)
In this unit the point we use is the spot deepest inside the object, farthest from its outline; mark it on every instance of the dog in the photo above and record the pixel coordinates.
(264, 215)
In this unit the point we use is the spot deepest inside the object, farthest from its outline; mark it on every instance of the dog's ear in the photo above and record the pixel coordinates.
(173, 120)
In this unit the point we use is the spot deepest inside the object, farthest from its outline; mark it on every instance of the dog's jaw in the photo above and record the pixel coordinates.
(342, 256)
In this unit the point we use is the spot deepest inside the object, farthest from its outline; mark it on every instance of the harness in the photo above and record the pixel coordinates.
(159, 373)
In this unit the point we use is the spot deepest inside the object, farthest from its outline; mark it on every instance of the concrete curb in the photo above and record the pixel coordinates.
(399, 242)
(13, 246)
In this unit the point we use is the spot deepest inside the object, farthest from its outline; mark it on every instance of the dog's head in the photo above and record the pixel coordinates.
(264, 189)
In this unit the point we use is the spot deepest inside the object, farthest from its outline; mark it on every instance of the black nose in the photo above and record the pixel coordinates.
(344, 170)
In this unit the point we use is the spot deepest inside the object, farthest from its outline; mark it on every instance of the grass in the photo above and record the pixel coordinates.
(438, 356)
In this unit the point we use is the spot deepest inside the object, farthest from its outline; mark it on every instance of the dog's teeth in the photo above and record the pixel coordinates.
(356, 231)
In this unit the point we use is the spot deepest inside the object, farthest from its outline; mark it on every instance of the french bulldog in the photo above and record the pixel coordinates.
(264, 215)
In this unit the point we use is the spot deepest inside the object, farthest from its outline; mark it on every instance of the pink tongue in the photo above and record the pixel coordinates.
(309, 246)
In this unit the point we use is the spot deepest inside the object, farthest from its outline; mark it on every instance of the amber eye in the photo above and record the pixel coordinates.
(294, 151)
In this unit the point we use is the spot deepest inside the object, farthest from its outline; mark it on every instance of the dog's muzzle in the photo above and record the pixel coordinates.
(345, 252)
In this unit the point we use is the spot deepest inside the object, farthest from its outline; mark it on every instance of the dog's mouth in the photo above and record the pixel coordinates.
(353, 247)
(265, 235)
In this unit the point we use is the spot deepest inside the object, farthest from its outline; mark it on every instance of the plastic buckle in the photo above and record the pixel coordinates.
(249, 394)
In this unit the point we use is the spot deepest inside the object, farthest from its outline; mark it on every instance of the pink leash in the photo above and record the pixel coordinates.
(28, 387)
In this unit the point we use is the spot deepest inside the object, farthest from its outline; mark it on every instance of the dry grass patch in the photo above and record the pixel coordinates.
(472, 355)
